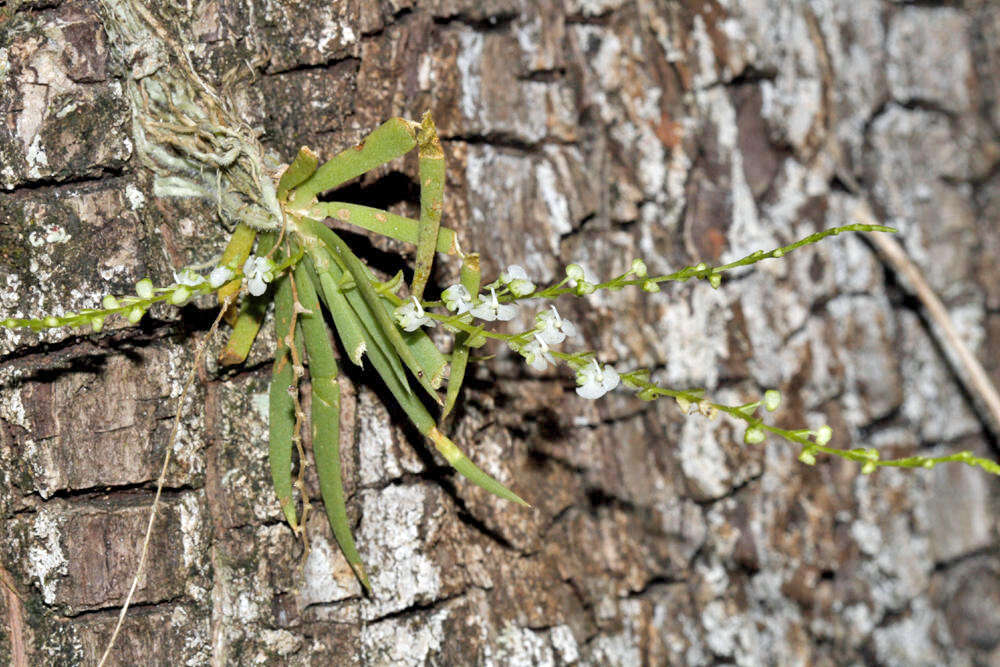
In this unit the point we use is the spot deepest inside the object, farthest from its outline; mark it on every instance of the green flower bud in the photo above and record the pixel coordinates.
(97, 323)
(109, 302)
(823, 434)
(639, 268)
(754, 435)
(135, 314)
(647, 394)
(868, 468)
(51, 322)
(650, 286)
(807, 457)
(574, 272)
(772, 399)
(144, 288)
(520, 287)
(584, 288)
(180, 296)
(715, 280)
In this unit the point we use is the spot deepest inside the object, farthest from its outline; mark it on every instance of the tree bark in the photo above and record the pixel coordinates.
(589, 131)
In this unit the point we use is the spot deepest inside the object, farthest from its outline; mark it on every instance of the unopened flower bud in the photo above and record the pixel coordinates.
(109, 302)
(823, 434)
(754, 435)
(639, 268)
(180, 296)
(144, 288)
(772, 399)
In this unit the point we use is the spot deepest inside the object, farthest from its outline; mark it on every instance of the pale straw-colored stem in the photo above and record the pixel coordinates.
(970, 371)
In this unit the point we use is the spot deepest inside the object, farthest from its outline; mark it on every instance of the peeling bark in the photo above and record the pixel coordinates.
(590, 131)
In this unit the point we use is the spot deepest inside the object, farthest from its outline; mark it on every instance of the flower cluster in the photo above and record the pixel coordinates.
(536, 344)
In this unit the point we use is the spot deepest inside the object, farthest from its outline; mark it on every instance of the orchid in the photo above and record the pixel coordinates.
(219, 276)
(516, 279)
(491, 309)
(536, 353)
(188, 278)
(457, 299)
(411, 315)
(596, 381)
(581, 279)
(258, 273)
(553, 329)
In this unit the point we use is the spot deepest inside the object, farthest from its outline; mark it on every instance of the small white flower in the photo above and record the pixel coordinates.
(537, 354)
(595, 381)
(411, 315)
(491, 309)
(457, 299)
(188, 278)
(219, 276)
(258, 273)
(552, 328)
(515, 278)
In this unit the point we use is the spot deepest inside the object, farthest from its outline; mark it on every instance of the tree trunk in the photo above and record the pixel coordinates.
(589, 131)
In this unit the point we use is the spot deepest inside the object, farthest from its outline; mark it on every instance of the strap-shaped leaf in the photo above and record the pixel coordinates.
(391, 139)
(382, 222)
(349, 327)
(411, 404)
(325, 416)
(460, 462)
(302, 167)
(432, 180)
(363, 283)
(360, 310)
(281, 404)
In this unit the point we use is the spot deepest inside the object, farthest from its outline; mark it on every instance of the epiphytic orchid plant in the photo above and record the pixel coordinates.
(304, 267)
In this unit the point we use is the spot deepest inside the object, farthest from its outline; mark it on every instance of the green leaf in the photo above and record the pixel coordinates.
(326, 418)
(281, 404)
(302, 167)
(382, 222)
(432, 181)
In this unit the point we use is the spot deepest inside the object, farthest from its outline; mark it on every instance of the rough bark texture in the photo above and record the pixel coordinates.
(585, 130)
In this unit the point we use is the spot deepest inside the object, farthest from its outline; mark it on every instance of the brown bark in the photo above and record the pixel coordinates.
(591, 131)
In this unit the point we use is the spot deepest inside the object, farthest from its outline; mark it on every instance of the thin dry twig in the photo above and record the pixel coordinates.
(970, 371)
(163, 476)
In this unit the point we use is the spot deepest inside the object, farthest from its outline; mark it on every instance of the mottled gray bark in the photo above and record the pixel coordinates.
(586, 130)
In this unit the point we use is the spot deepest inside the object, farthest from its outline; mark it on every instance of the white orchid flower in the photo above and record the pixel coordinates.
(188, 278)
(491, 309)
(553, 329)
(596, 381)
(258, 273)
(457, 299)
(411, 315)
(219, 276)
(536, 353)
